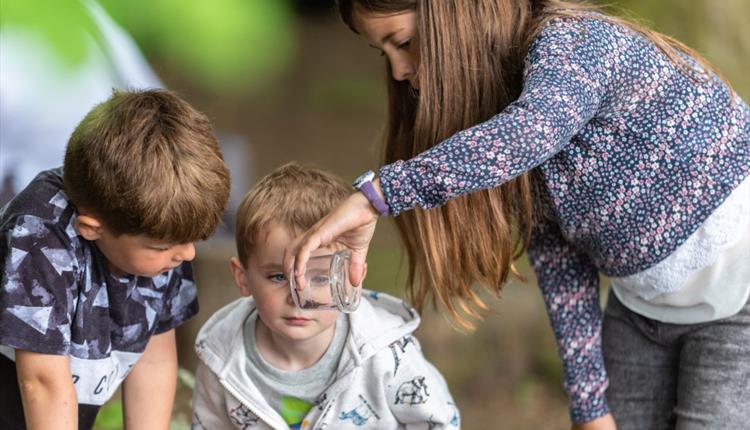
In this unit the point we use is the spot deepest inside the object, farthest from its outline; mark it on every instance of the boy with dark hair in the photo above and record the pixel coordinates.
(96, 271)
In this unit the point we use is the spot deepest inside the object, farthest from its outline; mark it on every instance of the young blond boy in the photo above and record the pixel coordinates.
(265, 364)
(96, 269)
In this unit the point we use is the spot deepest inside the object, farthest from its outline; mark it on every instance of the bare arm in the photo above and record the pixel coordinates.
(148, 391)
(47, 391)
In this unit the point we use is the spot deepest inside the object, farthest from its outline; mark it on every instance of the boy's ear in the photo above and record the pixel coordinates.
(88, 227)
(240, 276)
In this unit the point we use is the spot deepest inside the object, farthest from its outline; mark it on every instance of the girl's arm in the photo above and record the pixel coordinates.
(567, 76)
(148, 391)
(47, 391)
(570, 286)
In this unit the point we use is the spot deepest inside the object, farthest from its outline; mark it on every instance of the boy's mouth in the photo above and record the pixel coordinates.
(297, 320)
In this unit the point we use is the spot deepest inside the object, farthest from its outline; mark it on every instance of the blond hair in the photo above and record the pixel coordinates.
(293, 196)
(146, 162)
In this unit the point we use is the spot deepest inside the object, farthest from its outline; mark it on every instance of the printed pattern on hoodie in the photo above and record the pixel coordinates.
(383, 379)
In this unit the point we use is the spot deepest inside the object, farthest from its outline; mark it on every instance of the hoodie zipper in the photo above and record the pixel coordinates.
(257, 413)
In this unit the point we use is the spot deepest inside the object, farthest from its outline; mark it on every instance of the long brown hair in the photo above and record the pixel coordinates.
(471, 58)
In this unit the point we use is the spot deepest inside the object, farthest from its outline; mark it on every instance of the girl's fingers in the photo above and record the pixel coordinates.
(347, 224)
(358, 267)
(309, 244)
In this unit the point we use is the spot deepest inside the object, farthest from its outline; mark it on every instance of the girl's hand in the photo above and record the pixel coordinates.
(607, 422)
(351, 224)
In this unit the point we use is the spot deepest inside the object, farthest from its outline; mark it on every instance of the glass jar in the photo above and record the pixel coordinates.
(326, 284)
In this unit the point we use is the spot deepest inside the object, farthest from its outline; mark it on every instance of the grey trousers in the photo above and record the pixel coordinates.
(675, 376)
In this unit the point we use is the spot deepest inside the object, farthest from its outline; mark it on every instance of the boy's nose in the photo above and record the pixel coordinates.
(185, 252)
(289, 299)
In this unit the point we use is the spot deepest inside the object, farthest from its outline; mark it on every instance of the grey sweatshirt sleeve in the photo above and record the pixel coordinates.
(417, 393)
(209, 402)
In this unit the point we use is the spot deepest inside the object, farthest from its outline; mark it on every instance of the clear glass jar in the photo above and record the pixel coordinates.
(326, 284)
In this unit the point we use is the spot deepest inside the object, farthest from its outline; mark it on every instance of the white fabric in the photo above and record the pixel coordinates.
(707, 278)
(95, 380)
(382, 382)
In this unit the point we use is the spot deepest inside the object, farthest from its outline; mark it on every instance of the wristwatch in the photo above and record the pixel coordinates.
(364, 184)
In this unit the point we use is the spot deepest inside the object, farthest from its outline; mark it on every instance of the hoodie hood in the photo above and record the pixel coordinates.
(380, 320)
(382, 379)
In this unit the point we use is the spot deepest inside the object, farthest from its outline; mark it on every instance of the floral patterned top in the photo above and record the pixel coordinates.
(635, 152)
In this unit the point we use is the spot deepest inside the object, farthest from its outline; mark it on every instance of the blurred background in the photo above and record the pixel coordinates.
(285, 80)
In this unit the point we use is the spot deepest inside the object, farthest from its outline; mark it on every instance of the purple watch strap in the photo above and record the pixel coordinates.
(375, 200)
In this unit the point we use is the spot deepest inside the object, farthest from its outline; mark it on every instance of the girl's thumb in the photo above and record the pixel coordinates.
(357, 268)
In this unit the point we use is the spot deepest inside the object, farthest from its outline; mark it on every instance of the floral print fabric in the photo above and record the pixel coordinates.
(635, 151)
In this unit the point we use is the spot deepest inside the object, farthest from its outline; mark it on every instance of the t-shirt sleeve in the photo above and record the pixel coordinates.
(181, 299)
(37, 287)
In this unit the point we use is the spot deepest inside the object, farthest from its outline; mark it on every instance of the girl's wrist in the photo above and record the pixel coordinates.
(364, 203)
(370, 188)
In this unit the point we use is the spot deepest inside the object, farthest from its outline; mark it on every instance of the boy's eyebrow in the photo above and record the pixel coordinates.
(271, 266)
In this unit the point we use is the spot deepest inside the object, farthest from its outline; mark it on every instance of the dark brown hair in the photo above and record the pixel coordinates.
(293, 196)
(471, 59)
(146, 162)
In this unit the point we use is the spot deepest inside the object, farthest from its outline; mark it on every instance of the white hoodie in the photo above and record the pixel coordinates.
(382, 381)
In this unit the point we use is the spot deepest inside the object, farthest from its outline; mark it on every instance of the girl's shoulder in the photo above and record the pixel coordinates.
(568, 30)
(589, 35)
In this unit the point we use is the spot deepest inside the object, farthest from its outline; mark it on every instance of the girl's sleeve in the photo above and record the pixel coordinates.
(570, 286)
(568, 69)
(417, 393)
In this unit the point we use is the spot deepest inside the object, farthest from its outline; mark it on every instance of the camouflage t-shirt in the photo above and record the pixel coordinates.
(58, 297)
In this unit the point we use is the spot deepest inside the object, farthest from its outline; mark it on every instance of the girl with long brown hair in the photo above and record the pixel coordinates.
(596, 146)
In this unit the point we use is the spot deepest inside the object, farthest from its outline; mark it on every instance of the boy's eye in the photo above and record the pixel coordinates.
(277, 277)
(405, 45)
(161, 248)
(319, 281)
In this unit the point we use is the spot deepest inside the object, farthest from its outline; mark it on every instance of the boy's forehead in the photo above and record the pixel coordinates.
(273, 239)
(126, 239)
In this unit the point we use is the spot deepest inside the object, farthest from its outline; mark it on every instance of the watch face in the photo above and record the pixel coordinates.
(367, 176)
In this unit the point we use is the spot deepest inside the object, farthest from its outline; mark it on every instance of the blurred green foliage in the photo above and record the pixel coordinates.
(109, 417)
(225, 44)
(63, 24)
(222, 45)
